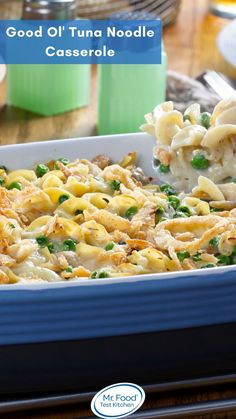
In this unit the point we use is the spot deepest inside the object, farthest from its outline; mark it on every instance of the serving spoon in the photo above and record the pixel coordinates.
(223, 90)
(219, 85)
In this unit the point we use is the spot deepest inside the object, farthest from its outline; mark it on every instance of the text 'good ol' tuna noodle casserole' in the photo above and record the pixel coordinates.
(97, 219)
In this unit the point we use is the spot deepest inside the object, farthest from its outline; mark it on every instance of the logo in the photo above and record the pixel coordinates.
(118, 401)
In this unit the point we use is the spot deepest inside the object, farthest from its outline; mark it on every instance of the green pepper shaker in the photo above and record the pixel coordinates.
(48, 89)
(127, 92)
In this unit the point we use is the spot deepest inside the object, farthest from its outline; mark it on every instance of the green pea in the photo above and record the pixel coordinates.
(103, 274)
(62, 160)
(164, 169)
(1, 180)
(41, 170)
(69, 245)
(51, 248)
(215, 210)
(79, 212)
(234, 251)
(209, 265)
(233, 260)
(205, 119)
(160, 210)
(233, 179)
(69, 269)
(197, 257)
(182, 212)
(115, 185)
(187, 118)
(63, 198)
(214, 242)
(109, 246)
(183, 255)
(223, 259)
(185, 209)
(168, 189)
(15, 185)
(199, 162)
(131, 212)
(174, 201)
(42, 241)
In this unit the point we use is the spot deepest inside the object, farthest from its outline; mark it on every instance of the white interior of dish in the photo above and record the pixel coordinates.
(116, 146)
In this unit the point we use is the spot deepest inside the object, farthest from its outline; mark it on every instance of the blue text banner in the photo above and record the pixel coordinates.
(80, 42)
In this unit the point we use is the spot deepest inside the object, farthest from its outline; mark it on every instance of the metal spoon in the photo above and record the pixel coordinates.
(223, 90)
(219, 85)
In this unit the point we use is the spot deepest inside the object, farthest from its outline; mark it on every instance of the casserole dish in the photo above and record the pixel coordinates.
(83, 335)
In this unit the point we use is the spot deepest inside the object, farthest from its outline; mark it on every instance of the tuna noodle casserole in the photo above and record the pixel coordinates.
(96, 219)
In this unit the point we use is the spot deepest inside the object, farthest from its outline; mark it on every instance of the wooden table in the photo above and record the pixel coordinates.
(191, 48)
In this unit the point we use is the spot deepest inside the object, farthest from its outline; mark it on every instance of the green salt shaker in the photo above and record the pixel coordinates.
(48, 89)
(127, 92)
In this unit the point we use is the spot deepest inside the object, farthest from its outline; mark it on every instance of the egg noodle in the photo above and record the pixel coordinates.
(63, 221)
(195, 141)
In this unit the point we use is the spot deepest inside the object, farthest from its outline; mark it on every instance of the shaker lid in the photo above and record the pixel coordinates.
(49, 9)
(133, 15)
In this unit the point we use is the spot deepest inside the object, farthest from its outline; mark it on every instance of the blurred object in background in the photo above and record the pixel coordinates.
(102, 9)
(2, 77)
(2, 72)
(10, 9)
(223, 8)
(219, 84)
(126, 92)
(185, 91)
(48, 89)
(227, 43)
(49, 9)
